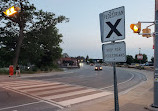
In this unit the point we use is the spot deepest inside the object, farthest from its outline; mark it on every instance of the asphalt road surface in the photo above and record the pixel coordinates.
(87, 76)
(54, 92)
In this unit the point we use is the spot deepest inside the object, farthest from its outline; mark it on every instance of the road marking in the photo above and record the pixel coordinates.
(20, 105)
(32, 86)
(34, 97)
(82, 99)
(68, 94)
(45, 92)
(57, 93)
(120, 82)
(45, 87)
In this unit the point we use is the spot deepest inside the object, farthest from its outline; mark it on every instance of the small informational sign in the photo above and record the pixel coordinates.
(114, 52)
(112, 24)
(140, 57)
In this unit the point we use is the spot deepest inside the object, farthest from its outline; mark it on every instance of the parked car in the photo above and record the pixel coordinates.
(91, 64)
(149, 64)
(98, 67)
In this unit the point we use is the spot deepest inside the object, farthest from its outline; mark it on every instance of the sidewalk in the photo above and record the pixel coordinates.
(135, 99)
(4, 78)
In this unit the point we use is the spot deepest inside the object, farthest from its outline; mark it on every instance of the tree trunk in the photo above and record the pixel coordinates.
(18, 46)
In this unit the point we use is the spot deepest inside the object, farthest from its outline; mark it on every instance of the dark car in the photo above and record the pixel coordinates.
(98, 67)
(91, 64)
(149, 64)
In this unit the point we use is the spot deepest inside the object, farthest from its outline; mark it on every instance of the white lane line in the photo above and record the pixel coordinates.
(30, 86)
(20, 105)
(34, 97)
(20, 81)
(84, 98)
(68, 94)
(120, 82)
(43, 88)
(54, 91)
(20, 84)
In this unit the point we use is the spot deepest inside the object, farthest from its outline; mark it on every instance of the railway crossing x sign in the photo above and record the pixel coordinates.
(112, 24)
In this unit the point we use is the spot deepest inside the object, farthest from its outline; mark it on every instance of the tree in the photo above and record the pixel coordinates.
(91, 61)
(144, 60)
(40, 40)
(81, 58)
(152, 59)
(21, 19)
(87, 58)
(130, 59)
(43, 40)
(65, 55)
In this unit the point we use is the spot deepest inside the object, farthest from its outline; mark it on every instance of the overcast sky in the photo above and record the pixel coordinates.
(81, 36)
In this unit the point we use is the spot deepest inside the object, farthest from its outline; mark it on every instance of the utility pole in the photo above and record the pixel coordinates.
(155, 104)
(136, 29)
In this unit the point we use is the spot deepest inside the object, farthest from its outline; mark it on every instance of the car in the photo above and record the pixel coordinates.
(91, 64)
(149, 64)
(98, 68)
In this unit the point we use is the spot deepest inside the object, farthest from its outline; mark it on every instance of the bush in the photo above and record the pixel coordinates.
(4, 70)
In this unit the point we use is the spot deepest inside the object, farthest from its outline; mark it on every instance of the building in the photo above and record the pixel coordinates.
(68, 62)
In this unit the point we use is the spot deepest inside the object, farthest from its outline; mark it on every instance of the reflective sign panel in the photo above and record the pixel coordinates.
(112, 24)
(114, 52)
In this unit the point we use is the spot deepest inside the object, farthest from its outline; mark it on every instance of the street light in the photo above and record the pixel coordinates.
(139, 50)
(12, 14)
(11, 11)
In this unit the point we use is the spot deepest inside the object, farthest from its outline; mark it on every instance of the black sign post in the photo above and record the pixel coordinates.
(115, 88)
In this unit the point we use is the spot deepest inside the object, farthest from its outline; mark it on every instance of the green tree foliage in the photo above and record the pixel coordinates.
(91, 61)
(152, 59)
(145, 59)
(130, 59)
(40, 45)
(15, 25)
(87, 58)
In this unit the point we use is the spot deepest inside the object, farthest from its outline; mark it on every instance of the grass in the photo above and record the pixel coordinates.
(5, 71)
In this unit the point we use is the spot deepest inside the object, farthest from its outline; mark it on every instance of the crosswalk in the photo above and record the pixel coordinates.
(55, 92)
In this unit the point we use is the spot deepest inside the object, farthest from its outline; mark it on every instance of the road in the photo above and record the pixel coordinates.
(54, 92)
(87, 76)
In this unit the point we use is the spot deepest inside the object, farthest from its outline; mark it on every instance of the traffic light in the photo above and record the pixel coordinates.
(136, 27)
(146, 32)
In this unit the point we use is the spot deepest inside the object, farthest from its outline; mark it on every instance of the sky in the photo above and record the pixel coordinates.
(81, 35)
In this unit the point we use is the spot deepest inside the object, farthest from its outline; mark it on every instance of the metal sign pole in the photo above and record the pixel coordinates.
(155, 104)
(113, 52)
(115, 88)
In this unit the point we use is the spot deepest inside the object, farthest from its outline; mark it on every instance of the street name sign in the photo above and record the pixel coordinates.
(112, 24)
(114, 52)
